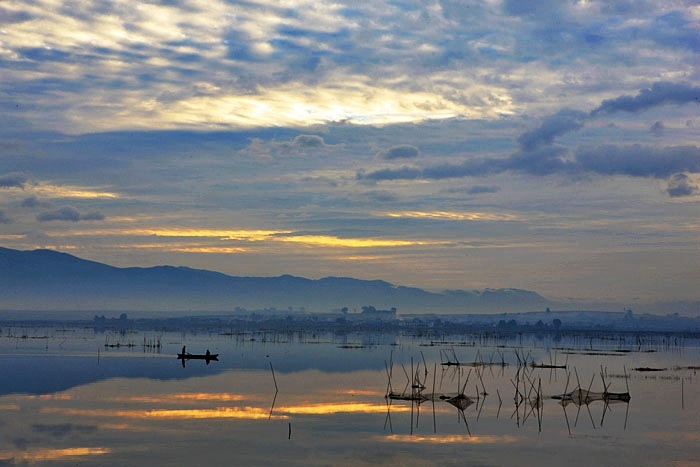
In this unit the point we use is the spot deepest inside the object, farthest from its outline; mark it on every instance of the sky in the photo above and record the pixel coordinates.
(552, 146)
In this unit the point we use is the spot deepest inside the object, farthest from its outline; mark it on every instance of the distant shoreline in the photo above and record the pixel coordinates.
(534, 322)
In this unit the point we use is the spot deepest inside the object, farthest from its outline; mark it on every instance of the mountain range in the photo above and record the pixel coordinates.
(47, 280)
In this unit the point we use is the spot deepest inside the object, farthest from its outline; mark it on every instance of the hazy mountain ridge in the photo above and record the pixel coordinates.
(51, 280)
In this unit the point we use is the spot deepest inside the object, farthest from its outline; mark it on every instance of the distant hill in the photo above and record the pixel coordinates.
(44, 280)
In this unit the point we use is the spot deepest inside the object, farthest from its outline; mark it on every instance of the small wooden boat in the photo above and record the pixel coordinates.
(195, 356)
(207, 357)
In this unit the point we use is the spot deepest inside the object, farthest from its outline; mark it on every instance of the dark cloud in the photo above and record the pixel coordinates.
(13, 180)
(399, 152)
(403, 173)
(538, 155)
(633, 161)
(62, 429)
(680, 185)
(380, 196)
(308, 141)
(639, 161)
(31, 202)
(4, 219)
(660, 93)
(564, 121)
(541, 161)
(676, 30)
(657, 129)
(69, 213)
(479, 189)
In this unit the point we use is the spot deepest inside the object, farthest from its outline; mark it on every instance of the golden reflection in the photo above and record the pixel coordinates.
(47, 454)
(362, 392)
(183, 397)
(13, 407)
(451, 439)
(247, 413)
(340, 407)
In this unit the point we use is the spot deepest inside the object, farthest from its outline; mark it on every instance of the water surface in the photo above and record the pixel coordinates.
(73, 395)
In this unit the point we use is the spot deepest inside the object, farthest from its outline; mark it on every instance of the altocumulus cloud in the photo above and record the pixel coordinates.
(69, 213)
(13, 180)
(660, 93)
(539, 155)
(403, 151)
(308, 141)
(680, 185)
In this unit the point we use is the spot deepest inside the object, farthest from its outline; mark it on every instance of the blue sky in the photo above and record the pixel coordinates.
(552, 146)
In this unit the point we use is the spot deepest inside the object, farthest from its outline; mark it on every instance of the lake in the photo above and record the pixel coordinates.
(74, 395)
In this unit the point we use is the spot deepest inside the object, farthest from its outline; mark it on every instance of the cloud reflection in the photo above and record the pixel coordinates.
(338, 407)
(247, 413)
(48, 454)
(453, 439)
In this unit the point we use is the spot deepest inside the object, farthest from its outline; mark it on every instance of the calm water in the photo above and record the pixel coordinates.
(71, 396)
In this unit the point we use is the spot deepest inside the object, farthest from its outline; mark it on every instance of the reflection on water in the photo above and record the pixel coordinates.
(397, 400)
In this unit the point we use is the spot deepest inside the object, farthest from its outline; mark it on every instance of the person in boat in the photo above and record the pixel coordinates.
(208, 353)
(183, 350)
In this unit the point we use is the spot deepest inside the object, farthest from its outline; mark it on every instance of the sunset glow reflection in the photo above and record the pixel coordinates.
(451, 439)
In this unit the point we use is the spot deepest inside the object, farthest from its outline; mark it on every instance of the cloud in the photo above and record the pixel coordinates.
(634, 161)
(13, 180)
(680, 185)
(538, 155)
(474, 190)
(403, 173)
(639, 161)
(399, 152)
(4, 219)
(31, 202)
(380, 196)
(68, 213)
(308, 141)
(564, 121)
(660, 93)
(657, 129)
(62, 429)
(479, 189)
(530, 8)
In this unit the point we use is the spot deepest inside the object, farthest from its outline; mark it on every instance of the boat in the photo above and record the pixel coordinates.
(208, 357)
(195, 356)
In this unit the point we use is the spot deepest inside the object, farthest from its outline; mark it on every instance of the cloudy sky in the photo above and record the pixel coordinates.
(552, 146)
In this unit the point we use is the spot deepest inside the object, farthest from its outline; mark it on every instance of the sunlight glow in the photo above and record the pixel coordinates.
(282, 236)
(325, 240)
(356, 100)
(54, 191)
(453, 216)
